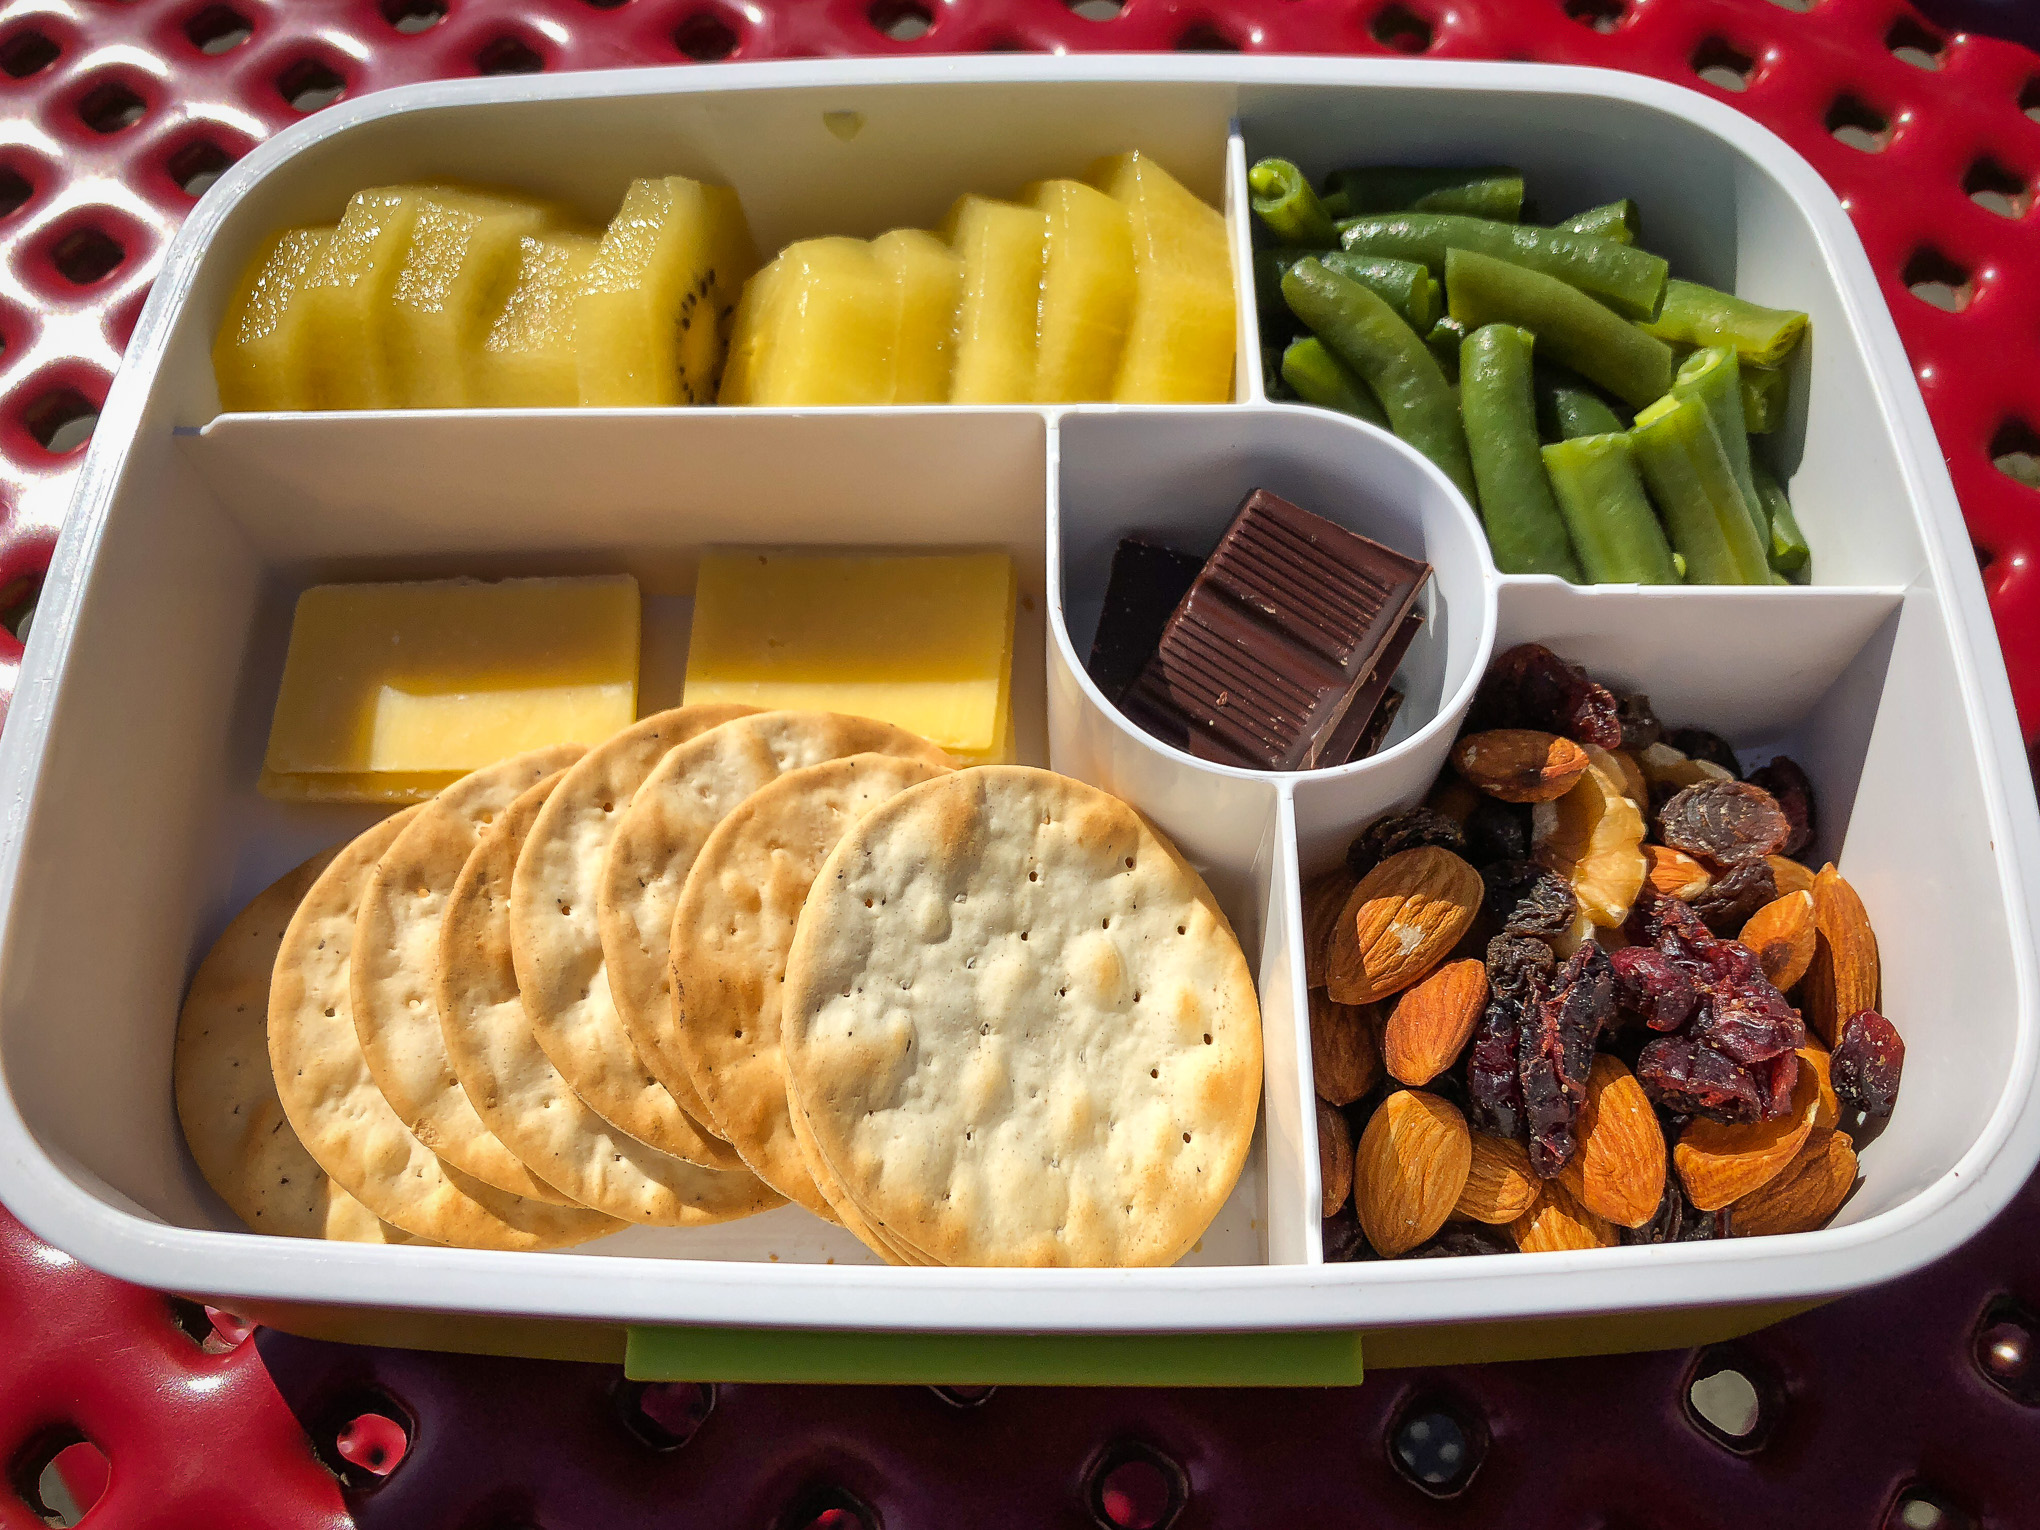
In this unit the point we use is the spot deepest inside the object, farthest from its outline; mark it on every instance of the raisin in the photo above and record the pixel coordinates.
(1699, 744)
(1793, 793)
(1532, 687)
(1517, 963)
(1649, 987)
(1518, 967)
(1690, 1078)
(1738, 893)
(1459, 1240)
(1723, 822)
(1398, 832)
(1663, 1227)
(1555, 1050)
(1498, 831)
(1640, 725)
(1344, 1242)
(1697, 1226)
(1654, 918)
(1524, 898)
(1867, 1063)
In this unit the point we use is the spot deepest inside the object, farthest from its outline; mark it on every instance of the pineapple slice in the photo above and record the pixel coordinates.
(1180, 339)
(926, 278)
(464, 251)
(259, 353)
(1087, 288)
(526, 358)
(1001, 245)
(1593, 837)
(651, 323)
(825, 328)
(347, 298)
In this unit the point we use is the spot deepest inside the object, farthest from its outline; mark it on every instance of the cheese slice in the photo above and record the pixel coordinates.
(923, 642)
(391, 690)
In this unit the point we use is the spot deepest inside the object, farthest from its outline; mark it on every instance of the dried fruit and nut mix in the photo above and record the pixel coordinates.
(1586, 995)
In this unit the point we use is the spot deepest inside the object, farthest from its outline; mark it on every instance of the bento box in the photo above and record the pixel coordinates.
(134, 829)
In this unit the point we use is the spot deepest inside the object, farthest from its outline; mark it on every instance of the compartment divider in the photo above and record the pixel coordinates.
(1249, 386)
(1295, 1186)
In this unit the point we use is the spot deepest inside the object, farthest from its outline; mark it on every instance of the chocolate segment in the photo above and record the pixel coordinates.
(1277, 641)
(1146, 584)
(1367, 720)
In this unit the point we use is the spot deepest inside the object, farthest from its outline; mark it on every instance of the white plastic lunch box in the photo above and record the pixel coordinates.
(133, 831)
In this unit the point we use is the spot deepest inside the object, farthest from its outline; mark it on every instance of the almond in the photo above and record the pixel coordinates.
(1433, 1021)
(1665, 766)
(1781, 934)
(1520, 764)
(1790, 876)
(1454, 799)
(1401, 921)
(1345, 1048)
(1334, 1156)
(1676, 874)
(1500, 1184)
(1323, 896)
(1618, 1171)
(1719, 1163)
(1805, 1195)
(1843, 976)
(1411, 1165)
(1559, 1223)
(1829, 1109)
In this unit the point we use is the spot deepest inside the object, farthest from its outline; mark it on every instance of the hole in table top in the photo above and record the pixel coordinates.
(1602, 15)
(2006, 1348)
(2015, 452)
(15, 190)
(901, 20)
(1919, 1507)
(310, 84)
(60, 1477)
(605, 5)
(1990, 185)
(218, 29)
(110, 107)
(827, 1508)
(1437, 1444)
(664, 1414)
(86, 255)
(414, 16)
(362, 1436)
(1858, 124)
(1935, 279)
(17, 606)
(1914, 44)
(1801, 6)
(26, 52)
(1136, 1487)
(61, 420)
(1400, 28)
(1095, 10)
(1205, 38)
(509, 55)
(705, 37)
(1723, 65)
(964, 1397)
(196, 165)
(1732, 1401)
(2029, 98)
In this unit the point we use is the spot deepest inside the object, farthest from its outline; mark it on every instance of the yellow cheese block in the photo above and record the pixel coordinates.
(923, 642)
(386, 686)
(259, 353)
(1180, 337)
(827, 326)
(347, 298)
(1001, 246)
(926, 277)
(1087, 288)
(461, 257)
(526, 359)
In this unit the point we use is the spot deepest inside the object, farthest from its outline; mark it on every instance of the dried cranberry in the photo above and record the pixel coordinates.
(1736, 894)
(1663, 1227)
(1654, 918)
(1741, 1014)
(1640, 725)
(1410, 830)
(1532, 687)
(1776, 1078)
(1868, 1060)
(1699, 744)
(1498, 831)
(1793, 793)
(1723, 822)
(1687, 1076)
(1556, 1049)
(1518, 967)
(1524, 898)
(1459, 1240)
(1649, 987)
(1343, 1240)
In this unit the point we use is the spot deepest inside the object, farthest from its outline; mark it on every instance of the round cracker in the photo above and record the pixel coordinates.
(693, 789)
(557, 944)
(731, 929)
(226, 1095)
(1021, 1027)
(393, 972)
(342, 1117)
(514, 1084)
(873, 1236)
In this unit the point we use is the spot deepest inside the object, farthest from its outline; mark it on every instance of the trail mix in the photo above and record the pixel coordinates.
(1590, 993)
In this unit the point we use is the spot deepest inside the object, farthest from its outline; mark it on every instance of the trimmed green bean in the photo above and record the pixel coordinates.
(1765, 393)
(1318, 377)
(1613, 528)
(1568, 409)
(1371, 338)
(1524, 529)
(1406, 284)
(1619, 221)
(1713, 376)
(1700, 315)
(1789, 552)
(1282, 196)
(1489, 191)
(1628, 280)
(1571, 328)
(1444, 338)
(1696, 492)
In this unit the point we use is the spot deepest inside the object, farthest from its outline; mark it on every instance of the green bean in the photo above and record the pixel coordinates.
(1789, 553)
(1702, 316)
(1318, 377)
(1630, 281)
(1371, 338)
(1567, 408)
(1619, 221)
(1444, 338)
(1613, 528)
(1283, 198)
(1713, 376)
(1406, 284)
(1765, 393)
(1524, 530)
(1695, 489)
(1488, 191)
(1571, 328)
(1335, 204)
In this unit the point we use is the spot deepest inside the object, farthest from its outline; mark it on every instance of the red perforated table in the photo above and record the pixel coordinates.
(1916, 1405)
